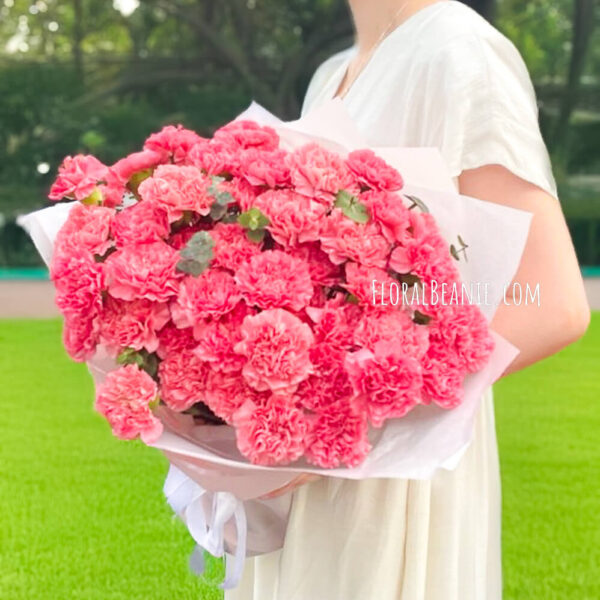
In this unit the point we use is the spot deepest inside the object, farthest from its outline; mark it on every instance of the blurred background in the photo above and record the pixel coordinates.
(82, 515)
(99, 75)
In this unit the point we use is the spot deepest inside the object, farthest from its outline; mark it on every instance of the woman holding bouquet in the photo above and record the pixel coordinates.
(434, 73)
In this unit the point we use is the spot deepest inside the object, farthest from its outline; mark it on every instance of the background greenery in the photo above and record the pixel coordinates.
(83, 515)
(99, 75)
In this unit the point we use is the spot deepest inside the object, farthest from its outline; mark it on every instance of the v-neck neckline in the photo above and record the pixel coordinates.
(339, 74)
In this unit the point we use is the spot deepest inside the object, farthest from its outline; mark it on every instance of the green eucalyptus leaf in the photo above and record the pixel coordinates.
(454, 252)
(351, 207)
(418, 203)
(256, 235)
(216, 179)
(217, 211)
(130, 356)
(357, 212)
(253, 219)
(343, 199)
(199, 247)
(191, 267)
(221, 198)
(224, 198)
(125, 356)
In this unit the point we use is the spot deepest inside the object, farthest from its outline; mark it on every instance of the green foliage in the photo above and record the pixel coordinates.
(99, 81)
(253, 219)
(351, 207)
(197, 254)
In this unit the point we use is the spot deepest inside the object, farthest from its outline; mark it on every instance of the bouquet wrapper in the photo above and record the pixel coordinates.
(210, 485)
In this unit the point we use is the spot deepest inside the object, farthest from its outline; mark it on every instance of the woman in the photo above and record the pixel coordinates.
(434, 73)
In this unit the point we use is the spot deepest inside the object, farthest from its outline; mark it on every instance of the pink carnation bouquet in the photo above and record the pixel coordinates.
(262, 301)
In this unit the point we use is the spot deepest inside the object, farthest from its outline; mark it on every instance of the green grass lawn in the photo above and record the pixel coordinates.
(83, 514)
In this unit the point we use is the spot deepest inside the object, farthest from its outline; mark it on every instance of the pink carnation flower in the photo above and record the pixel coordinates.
(366, 284)
(373, 172)
(182, 377)
(319, 173)
(143, 271)
(77, 178)
(462, 333)
(226, 392)
(262, 168)
(112, 192)
(425, 254)
(474, 341)
(172, 339)
(215, 157)
(275, 279)
(339, 435)
(132, 324)
(173, 143)
(393, 326)
(178, 189)
(329, 385)
(232, 247)
(122, 171)
(442, 380)
(87, 227)
(79, 282)
(334, 323)
(80, 335)
(293, 218)
(141, 223)
(212, 294)
(273, 433)
(388, 211)
(322, 271)
(388, 380)
(342, 238)
(217, 338)
(276, 345)
(124, 399)
(248, 134)
(243, 192)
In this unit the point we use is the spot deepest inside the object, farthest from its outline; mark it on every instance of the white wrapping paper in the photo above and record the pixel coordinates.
(414, 447)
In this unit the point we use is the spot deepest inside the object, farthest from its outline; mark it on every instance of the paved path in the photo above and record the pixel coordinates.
(27, 300)
(35, 299)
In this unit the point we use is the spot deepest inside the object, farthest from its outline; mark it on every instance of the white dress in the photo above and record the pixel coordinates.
(445, 78)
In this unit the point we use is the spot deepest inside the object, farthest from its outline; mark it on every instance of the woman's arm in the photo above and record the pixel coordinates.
(549, 259)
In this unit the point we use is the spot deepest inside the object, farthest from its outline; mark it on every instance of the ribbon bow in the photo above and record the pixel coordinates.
(190, 500)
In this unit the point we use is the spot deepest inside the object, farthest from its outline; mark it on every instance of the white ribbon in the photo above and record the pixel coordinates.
(188, 499)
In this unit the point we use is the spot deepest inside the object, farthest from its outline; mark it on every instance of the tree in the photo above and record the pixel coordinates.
(583, 25)
(486, 8)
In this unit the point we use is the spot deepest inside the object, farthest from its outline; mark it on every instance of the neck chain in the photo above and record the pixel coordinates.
(392, 25)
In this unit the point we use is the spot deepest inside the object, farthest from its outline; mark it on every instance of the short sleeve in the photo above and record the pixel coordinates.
(487, 111)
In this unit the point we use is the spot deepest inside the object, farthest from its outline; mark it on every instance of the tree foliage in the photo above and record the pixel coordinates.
(82, 76)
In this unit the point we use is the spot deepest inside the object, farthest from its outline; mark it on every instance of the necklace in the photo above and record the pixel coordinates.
(346, 85)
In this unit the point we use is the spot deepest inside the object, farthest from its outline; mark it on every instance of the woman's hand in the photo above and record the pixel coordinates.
(291, 485)
(548, 260)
